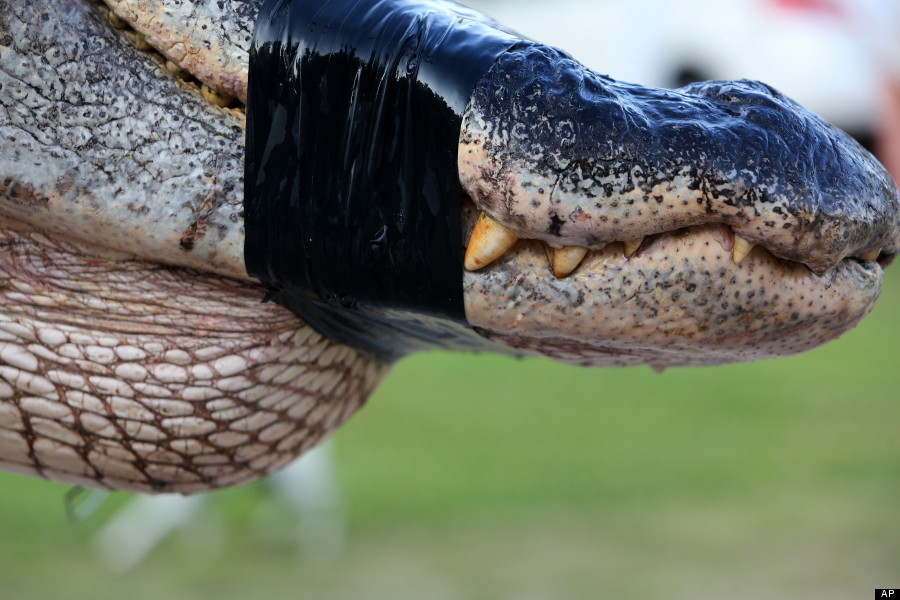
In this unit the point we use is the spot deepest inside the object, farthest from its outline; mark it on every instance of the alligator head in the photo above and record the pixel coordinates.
(607, 224)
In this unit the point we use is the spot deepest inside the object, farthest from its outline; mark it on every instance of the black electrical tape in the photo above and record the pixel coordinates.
(352, 198)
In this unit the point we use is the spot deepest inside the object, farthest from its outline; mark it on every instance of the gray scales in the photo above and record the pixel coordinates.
(134, 351)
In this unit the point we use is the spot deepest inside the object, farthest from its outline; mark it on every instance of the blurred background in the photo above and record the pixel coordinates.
(488, 477)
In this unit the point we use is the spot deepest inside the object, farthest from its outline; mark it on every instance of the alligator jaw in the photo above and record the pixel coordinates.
(724, 221)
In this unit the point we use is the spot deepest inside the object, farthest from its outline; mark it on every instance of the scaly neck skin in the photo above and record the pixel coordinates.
(117, 371)
(129, 375)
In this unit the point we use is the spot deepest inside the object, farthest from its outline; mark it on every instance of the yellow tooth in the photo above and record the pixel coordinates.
(549, 250)
(566, 259)
(740, 250)
(632, 246)
(489, 241)
(116, 21)
(141, 42)
(870, 255)
(175, 70)
(215, 97)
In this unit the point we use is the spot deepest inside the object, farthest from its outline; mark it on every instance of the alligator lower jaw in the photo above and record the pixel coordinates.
(681, 298)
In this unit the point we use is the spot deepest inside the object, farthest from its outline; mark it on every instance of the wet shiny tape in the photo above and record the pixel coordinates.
(352, 198)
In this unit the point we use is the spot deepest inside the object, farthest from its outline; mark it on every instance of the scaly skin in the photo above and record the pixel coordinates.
(135, 352)
(129, 375)
(116, 371)
(211, 40)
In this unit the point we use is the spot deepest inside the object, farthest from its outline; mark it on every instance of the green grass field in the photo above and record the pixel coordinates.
(487, 477)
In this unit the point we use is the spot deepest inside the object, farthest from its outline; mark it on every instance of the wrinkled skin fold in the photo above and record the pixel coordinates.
(134, 351)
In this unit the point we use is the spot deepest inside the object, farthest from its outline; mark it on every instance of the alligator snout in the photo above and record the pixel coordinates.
(555, 152)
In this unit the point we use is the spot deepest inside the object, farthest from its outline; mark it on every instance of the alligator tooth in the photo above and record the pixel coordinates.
(175, 70)
(548, 251)
(116, 21)
(564, 260)
(215, 97)
(632, 246)
(870, 255)
(141, 42)
(741, 249)
(489, 241)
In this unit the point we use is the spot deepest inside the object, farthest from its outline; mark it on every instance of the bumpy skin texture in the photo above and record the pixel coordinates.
(99, 146)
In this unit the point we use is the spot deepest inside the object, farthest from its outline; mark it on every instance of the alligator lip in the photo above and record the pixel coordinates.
(188, 34)
(224, 88)
(614, 276)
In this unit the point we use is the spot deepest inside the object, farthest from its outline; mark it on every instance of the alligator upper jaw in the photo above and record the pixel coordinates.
(680, 297)
(556, 152)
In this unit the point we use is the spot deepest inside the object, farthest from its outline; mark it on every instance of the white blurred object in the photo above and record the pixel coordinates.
(307, 486)
(805, 48)
(876, 24)
(130, 536)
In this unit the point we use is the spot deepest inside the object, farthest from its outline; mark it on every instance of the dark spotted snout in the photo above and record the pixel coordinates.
(556, 152)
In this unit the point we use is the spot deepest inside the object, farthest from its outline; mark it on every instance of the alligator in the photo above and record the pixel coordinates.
(606, 224)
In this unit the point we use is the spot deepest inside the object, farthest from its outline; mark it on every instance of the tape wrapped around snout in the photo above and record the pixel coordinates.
(352, 198)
